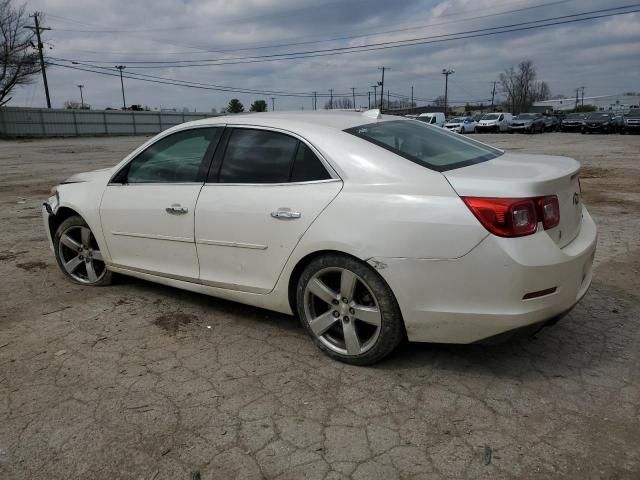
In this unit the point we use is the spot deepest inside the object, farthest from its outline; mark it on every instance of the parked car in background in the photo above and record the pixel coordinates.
(550, 123)
(631, 122)
(572, 122)
(527, 122)
(434, 238)
(494, 122)
(433, 118)
(595, 122)
(461, 125)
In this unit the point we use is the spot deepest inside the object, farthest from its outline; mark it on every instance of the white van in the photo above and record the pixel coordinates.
(494, 122)
(433, 118)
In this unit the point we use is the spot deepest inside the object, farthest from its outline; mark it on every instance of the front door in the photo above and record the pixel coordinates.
(147, 210)
(264, 193)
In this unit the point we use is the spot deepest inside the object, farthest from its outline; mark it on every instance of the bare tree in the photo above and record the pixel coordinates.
(17, 55)
(521, 88)
(339, 103)
(439, 101)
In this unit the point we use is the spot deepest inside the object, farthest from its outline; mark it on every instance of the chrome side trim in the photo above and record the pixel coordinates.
(281, 184)
(153, 237)
(223, 243)
(224, 286)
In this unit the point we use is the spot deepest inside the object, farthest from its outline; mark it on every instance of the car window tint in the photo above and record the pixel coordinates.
(258, 156)
(174, 159)
(307, 166)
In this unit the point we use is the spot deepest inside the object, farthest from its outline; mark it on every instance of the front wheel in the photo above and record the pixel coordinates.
(349, 310)
(79, 255)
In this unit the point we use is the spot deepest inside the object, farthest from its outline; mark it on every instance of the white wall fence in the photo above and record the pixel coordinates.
(43, 122)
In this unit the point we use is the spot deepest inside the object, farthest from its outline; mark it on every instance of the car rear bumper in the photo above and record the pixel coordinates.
(485, 292)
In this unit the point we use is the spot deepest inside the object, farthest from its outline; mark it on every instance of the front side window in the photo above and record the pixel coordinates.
(177, 158)
(434, 148)
(262, 156)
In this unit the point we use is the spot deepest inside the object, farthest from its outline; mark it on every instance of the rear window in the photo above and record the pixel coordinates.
(431, 147)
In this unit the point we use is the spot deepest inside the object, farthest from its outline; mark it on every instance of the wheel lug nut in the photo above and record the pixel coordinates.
(352, 311)
(346, 319)
(336, 313)
(344, 299)
(335, 301)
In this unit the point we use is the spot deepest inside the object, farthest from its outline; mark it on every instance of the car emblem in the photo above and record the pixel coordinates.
(576, 198)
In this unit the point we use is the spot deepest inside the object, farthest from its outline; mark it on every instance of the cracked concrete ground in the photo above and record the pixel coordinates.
(140, 381)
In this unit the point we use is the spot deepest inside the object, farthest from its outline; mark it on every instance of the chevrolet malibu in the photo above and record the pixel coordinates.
(370, 228)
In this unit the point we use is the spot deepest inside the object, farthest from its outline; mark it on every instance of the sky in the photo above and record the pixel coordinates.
(603, 55)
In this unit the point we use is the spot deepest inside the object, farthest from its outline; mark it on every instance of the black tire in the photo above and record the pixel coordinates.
(104, 276)
(391, 331)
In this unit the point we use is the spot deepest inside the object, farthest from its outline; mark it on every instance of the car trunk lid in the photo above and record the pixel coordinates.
(525, 176)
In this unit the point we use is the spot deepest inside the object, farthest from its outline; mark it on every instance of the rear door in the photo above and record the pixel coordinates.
(147, 210)
(264, 190)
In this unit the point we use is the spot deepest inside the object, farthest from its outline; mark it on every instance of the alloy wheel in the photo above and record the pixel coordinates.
(80, 255)
(342, 311)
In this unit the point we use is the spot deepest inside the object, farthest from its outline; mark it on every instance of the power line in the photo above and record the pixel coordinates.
(487, 31)
(346, 37)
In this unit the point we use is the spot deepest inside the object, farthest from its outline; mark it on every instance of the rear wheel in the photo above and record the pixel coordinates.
(79, 255)
(349, 310)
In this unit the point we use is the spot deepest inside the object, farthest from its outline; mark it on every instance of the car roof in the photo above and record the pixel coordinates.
(298, 120)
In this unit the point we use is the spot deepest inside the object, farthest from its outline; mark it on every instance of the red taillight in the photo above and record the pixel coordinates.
(514, 217)
(548, 211)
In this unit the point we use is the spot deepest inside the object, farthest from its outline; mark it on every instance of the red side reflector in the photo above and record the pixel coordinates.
(540, 293)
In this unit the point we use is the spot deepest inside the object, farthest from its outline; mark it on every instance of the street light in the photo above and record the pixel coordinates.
(446, 72)
(81, 97)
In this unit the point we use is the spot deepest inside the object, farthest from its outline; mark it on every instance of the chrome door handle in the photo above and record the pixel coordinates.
(285, 213)
(176, 209)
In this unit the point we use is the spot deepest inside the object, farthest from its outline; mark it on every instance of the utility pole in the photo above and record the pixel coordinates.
(315, 100)
(353, 93)
(81, 97)
(582, 101)
(369, 92)
(446, 72)
(37, 28)
(577, 90)
(411, 104)
(273, 104)
(382, 87)
(388, 99)
(493, 94)
(124, 102)
(331, 99)
(375, 95)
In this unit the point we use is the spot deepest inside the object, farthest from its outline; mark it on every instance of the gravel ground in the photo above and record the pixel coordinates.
(142, 381)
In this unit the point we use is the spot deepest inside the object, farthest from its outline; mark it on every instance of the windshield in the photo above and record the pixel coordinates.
(634, 113)
(491, 116)
(426, 119)
(431, 147)
(575, 115)
(456, 120)
(526, 116)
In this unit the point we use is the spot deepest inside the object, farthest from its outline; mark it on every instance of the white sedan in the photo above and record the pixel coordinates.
(370, 228)
(461, 125)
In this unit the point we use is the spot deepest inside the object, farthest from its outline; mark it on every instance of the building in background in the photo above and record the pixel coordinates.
(621, 103)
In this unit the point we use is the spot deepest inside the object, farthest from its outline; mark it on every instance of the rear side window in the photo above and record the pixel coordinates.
(262, 156)
(307, 167)
(177, 158)
(431, 147)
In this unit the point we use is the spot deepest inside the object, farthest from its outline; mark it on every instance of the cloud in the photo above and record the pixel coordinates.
(600, 54)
